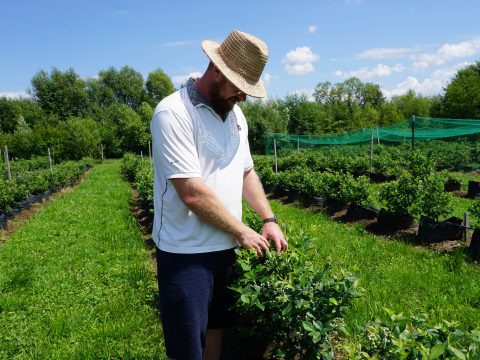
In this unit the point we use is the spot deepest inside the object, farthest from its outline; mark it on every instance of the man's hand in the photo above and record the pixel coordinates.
(249, 239)
(271, 231)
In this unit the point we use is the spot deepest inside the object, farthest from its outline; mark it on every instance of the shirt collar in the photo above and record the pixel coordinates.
(194, 95)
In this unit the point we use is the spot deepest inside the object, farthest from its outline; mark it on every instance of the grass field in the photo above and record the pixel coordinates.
(76, 280)
(395, 275)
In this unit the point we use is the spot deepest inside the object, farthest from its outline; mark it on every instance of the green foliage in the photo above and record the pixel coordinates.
(60, 93)
(158, 86)
(289, 300)
(462, 94)
(399, 337)
(140, 173)
(412, 104)
(432, 201)
(263, 117)
(398, 196)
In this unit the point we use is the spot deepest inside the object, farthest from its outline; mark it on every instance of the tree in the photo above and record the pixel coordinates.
(462, 94)
(124, 86)
(60, 93)
(263, 117)
(10, 114)
(158, 85)
(412, 104)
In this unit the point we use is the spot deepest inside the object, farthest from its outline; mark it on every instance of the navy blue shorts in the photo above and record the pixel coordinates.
(193, 297)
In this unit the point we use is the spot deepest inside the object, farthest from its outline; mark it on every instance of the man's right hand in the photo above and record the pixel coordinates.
(249, 239)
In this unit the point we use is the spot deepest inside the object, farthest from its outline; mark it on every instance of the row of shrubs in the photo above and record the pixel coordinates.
(139, 172)
(419, 192)
(29, 180)
(387, 161)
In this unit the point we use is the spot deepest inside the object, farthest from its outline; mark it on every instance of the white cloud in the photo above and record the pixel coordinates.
(14, 94)
(178, 43)
(182, 79)
(429, 86)
(300, 61)
(267, 79)
(312, 29)
(307, 92)
(448, 52)
(382, 53)
(380, 70)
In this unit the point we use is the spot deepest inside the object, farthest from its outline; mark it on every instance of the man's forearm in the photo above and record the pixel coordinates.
(204, 203)
(255, 195)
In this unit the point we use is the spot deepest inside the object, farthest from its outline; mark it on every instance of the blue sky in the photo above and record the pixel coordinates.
(399, 45)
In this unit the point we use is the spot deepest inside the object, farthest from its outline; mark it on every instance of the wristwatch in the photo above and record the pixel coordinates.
(271, 219)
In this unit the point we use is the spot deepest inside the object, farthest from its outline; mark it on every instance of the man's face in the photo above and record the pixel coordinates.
(224, 95)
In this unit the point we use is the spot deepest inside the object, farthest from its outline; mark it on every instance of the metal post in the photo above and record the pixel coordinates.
(413, 132)
(378, 136)
(141, 154)
(466, 223)
(7, 163)
(101, 146)
(371, 154)
(298, 143)
(50, 160)
(275, 151)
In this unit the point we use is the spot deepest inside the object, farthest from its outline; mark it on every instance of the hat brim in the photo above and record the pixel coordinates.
(255, 89)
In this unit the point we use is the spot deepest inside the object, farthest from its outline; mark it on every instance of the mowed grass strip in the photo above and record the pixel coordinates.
(395, 275)
(76, 280)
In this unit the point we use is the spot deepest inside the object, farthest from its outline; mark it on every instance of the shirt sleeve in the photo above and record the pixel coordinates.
(174, 150)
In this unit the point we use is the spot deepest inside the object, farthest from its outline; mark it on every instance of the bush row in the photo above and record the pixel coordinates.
(140, 173)
(27, 183)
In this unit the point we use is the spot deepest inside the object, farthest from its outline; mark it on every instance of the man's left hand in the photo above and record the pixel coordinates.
(271, 231)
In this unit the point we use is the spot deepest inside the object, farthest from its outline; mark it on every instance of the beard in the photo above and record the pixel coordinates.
(220, 104)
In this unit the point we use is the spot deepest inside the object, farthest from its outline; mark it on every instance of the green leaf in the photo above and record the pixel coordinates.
(245, 299)
(437, 351)
(457, 353)
(286, 310)
(308, 326)
(333, 301)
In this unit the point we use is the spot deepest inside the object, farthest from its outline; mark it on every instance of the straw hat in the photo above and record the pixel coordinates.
(241, 58)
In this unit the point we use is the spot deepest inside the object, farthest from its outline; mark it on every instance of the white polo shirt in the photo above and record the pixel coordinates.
(192, 141)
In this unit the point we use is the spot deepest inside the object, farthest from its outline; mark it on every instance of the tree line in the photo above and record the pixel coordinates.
(75, 116)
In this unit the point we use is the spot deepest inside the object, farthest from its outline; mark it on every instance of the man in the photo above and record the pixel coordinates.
(203, 167)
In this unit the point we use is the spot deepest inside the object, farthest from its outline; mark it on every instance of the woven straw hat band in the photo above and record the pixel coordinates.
(244, 54)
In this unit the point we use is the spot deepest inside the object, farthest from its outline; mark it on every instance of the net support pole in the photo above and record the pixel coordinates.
(371, 154)
(466, 224)
(413, 132)
(275, 152)
(141, 155)
(298, 143)
(7, 163)
(50, 160)
(378, 136)
(101, 145)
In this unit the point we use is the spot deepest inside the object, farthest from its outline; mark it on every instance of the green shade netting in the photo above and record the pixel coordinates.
(424, 129)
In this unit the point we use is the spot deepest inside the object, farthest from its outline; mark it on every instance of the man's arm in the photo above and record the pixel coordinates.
(255, 197)
(204, 203)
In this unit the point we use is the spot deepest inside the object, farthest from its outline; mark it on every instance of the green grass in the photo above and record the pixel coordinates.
(395, 275)
(76, 280)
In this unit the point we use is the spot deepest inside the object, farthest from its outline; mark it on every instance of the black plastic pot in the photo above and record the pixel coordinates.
(431, 232)
(293, 195)
(306, 199)
(452, 185)
(391, 221)
(474, 248)
(355, 212)
(279, 192)
(473, 190)
(380, 178)
(334, 206)
(238, 346)
(319, 201)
